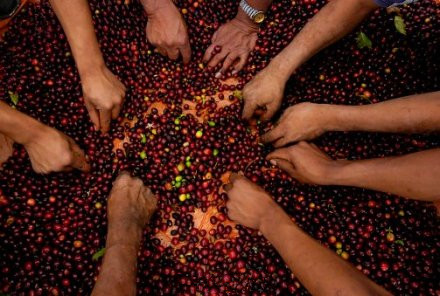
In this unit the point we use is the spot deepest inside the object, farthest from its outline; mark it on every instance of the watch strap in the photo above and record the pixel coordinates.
(249, 10)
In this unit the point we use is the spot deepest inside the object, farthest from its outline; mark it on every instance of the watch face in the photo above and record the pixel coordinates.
(259, 17)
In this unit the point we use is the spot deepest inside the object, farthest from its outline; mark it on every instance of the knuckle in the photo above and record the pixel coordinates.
(66, 159)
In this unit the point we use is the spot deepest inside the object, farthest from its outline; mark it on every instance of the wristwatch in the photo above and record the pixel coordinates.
(256, 15)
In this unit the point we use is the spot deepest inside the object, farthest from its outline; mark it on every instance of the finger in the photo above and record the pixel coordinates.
(228, 207)
(79, 159)
(285, 166)
(117, 108)
(271, 109)
(173, 53)
(186, 53)
(313, 146)
(123, 177)
(253, 41)
(273, 135)
(241, 62)
(218, 58)
(208, 53)
(105, 118)
(94, 115)
(214, 36)
(248, 109)
(228, 187)
(162, 51)
(282, 153)
(234, 177)
(115, 112)
(230, 59)
(67, 169)
(281, 142)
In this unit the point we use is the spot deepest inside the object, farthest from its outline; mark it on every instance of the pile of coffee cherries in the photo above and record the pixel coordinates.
(180, 131)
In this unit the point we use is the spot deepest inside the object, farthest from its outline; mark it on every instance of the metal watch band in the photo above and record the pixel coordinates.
(249, 10)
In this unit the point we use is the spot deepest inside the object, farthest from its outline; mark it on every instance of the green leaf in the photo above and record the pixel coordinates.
(399, 242)
(98, 254)
(363, 41)
(400, 25)
(13, 97)
(238, 94)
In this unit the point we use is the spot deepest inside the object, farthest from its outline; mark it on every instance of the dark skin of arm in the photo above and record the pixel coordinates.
(320, 270)
(335, 20)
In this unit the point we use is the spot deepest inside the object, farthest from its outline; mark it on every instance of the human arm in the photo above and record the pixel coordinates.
(233, 41)
(317, 268)
(130, 207)
(49, 150)
(335, 20)
(166, 29)
(412, 176)
(306, 121)
(103, 92)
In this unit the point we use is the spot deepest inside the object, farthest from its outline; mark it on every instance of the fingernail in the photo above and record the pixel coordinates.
(218, 75)
(273, 162)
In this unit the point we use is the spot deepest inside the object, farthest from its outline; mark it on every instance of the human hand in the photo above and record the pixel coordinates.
(51, 151)
(248, 203)
(130, 207)
(103, 96)
(130, 201)
(304, 121)
(231, 43)
(306, 163)
(166, 29)
(265, 90)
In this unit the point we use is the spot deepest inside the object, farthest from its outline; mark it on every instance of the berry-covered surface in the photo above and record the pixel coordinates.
(180, 132)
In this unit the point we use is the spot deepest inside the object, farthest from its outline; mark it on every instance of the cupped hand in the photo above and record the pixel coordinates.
(248, 203)
(264, 91)
(103, 96)
(304, 121)
(306, 163)
(167, 31)
(52, 151)
(231, 45)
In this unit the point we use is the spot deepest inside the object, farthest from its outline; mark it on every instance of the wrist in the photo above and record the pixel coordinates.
(278, 70)
(338, 117)
(272, 217)
(123, 234)
(340, 174)
(244, 20)
(91, 65)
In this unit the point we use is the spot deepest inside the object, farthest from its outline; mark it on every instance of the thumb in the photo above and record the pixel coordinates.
(79, 160)
(284, 165)
(271, 109)
(282, 153)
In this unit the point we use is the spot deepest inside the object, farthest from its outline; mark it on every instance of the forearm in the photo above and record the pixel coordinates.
(412, 114)
(335, 20)
(414, 176)
(76, 20)
(16, 125)
(118, 271)
(321, 271)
